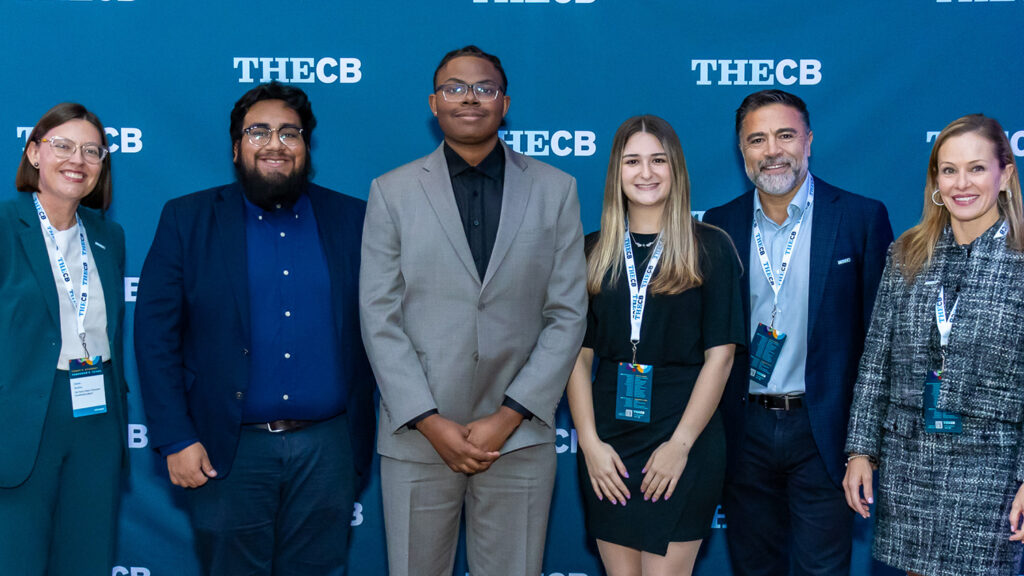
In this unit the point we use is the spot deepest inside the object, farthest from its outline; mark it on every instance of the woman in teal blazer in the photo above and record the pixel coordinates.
(61, 277)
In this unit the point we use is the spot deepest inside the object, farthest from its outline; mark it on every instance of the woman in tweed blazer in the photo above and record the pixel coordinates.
(945, 499)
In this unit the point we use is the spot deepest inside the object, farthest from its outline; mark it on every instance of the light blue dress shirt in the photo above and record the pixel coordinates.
(791, 319)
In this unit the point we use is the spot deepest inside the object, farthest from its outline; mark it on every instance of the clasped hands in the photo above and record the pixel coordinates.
(474, 447)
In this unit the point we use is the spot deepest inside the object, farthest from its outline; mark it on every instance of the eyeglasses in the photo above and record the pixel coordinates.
(459, 91)
(65, 148)
(259, 136)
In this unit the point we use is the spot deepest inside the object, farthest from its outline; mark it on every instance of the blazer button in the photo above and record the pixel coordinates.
(476, 357)
(480, 306)
(239, 395)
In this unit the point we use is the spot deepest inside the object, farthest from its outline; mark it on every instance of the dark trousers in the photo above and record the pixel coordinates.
(62, 520)
(782, 508)
(284, 509)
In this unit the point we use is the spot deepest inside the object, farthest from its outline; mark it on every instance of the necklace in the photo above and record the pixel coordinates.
(641, 244)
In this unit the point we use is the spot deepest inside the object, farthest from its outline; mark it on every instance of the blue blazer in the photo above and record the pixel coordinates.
(849, 240)
(31, 338)
(192, 333)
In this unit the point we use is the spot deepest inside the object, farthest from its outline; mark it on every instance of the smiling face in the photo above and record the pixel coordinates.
(469, 122)
(66, 181)
(776, 146)
(646, 175)
(273, 161)
(969, 179)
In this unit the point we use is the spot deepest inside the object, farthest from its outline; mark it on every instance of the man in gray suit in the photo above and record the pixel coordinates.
(473, 306)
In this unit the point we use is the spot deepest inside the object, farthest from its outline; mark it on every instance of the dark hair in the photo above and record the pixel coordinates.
(292, 97)
(767, 98)
(472, 50)
(27, 178)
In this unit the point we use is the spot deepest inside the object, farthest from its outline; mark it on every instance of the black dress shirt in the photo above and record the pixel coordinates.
(478, 190)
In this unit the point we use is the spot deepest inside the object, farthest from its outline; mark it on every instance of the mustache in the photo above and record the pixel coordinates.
(781, 159)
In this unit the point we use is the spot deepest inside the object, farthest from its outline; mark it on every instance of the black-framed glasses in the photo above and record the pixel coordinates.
(259, 136)
(65, 148)
(459, 91)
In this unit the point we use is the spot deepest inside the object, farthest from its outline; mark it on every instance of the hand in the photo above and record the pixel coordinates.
(451, 441)
(1016, 512)
(490, 432)
(190, 468)
(663, 469)
(606, 472)
(858, 475)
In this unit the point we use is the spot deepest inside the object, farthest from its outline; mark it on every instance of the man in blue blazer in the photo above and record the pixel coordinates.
(813, 256)
(256, 386)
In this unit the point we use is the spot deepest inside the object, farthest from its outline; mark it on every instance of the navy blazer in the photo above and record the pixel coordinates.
(192, 333)
(849, 239)
(31, 338)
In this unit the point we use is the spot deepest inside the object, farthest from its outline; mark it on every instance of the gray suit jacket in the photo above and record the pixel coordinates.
(439, 336)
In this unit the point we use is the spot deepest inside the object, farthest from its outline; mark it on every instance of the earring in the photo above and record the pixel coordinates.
(937, 203)
(35, 164)
(1009, 193)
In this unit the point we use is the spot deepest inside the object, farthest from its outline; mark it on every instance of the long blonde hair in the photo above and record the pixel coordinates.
(915, 247)
(679, 268)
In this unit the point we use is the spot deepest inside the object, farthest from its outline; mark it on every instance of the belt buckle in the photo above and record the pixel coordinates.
(273, 430)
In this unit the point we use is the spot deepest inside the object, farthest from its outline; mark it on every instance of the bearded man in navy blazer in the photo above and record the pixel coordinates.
(255, 382)
(814, 255)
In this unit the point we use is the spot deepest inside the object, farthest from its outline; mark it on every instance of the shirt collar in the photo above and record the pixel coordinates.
(796, 204)
(493, 166)
(301, 205)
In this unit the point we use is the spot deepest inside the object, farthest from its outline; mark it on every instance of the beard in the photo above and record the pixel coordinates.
(775, 184)
(269, 191)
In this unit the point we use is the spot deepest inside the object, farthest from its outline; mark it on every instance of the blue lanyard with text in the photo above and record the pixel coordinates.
(762, 252)
(81, 303)
(638, 293)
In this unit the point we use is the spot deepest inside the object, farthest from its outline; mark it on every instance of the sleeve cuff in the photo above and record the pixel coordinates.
(169, 449)
(411, 424)
(510, 403)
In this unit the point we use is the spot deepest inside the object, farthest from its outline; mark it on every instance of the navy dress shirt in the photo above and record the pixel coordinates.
(295, 371)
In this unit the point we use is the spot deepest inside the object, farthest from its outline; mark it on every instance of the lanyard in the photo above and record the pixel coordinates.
(81, 304)
(638, 293)
(942, 321)
(762, 252)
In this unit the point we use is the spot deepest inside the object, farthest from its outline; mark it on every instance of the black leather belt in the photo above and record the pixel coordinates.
(770, 402)
(278, 426)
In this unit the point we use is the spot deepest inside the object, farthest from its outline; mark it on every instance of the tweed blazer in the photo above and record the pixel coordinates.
(984, 374)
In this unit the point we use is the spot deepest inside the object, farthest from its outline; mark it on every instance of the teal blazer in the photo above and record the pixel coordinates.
(30, 340)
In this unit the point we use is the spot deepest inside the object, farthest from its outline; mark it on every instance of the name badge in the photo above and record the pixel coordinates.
(765, 347)
(935, 420)
(88, 395)
(633, 398)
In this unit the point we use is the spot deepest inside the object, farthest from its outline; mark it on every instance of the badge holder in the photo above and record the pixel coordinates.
(88, 394)
(938, 421)
(633, 391)
(765, 347)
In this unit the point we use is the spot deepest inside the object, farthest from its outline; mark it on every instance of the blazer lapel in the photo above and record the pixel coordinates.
(437, 185)
(825, 225)
(35, 251)
(514, 198)
(335, 254)
(739, 227)
(229, 212)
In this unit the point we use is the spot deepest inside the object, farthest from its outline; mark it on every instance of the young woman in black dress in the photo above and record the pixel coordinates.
(664, 322)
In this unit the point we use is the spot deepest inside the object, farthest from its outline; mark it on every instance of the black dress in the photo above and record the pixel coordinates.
(676, 331)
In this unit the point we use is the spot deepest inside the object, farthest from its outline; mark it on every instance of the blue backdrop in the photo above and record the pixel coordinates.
(880, 79)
